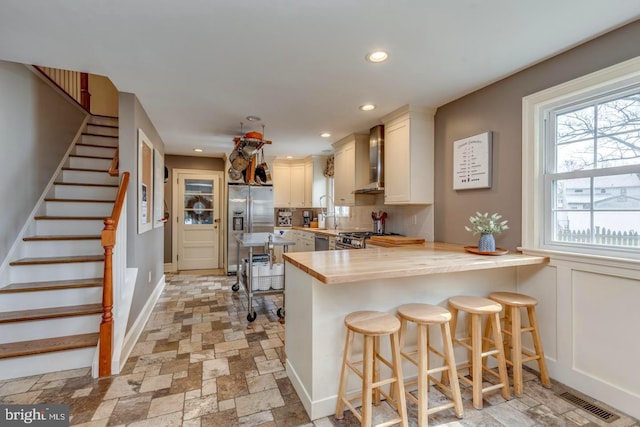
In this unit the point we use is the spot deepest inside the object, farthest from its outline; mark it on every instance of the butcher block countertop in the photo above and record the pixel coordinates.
(344, 266)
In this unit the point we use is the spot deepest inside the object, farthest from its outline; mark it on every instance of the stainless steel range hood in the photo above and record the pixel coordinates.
(376, 162)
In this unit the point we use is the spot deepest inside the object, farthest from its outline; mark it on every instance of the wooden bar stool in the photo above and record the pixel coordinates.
(513, 330)
(424, 315)
(476, 307)
(372, 325)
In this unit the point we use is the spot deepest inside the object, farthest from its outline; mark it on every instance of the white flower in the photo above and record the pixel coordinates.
(485, 224)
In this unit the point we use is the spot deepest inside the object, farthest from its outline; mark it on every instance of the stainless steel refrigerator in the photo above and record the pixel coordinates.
(249, 210)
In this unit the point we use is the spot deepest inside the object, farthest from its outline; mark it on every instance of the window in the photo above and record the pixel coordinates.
(583, 167)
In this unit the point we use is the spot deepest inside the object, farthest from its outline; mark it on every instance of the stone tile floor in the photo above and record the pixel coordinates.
(199, 362)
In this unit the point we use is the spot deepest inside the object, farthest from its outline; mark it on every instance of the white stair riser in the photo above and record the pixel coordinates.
(83, 177)
(13, 301)
(46, 227)
(106, 141)
(45, 272)
(85, 192)
(92, 150)
(89, 163)
(17, 367)
(53, 248)
(112, 121)
(102, 130)
(78, 209)
(49, 328)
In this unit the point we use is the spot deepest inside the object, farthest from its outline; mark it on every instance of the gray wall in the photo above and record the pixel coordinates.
(498, 108)
(144, 251)
(37, 126)
(182, 162)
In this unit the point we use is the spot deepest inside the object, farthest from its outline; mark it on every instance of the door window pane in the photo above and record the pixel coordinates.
(198, 186)
(202, 217)
(198, 201)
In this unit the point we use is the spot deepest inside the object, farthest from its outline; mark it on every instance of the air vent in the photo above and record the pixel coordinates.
(592, 408)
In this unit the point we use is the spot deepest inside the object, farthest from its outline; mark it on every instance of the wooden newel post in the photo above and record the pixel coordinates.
(85, 96)
(106, 326)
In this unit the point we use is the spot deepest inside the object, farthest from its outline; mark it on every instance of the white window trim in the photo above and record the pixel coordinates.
(620, 75)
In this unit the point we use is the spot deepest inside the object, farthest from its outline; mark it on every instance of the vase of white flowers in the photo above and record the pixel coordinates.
(486, 225)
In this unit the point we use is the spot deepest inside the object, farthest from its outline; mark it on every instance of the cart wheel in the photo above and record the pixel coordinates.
(235, 287)
(252, 316)
(280, 312)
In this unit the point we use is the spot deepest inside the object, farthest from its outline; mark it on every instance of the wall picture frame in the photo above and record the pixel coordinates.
(158, 189)
(472, 162)
(145, 183)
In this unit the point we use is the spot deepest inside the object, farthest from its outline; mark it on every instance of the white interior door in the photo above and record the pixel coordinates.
(198, 221)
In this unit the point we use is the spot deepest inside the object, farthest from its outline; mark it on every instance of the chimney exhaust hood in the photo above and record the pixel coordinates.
(376, 162)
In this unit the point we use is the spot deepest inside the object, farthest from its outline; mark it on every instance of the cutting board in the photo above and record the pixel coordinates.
(396, 240)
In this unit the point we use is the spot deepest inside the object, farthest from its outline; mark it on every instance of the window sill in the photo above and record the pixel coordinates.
(599, 260)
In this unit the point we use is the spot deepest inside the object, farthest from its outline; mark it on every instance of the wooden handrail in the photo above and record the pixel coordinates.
(115, 163)
(108, 240)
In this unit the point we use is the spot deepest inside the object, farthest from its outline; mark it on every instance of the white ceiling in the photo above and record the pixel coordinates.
(199, 67)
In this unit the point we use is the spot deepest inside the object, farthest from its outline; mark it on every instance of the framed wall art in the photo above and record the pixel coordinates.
(472, 162)
(158, 189)
(145, 183)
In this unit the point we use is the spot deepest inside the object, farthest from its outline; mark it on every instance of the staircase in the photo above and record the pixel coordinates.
(50, 311)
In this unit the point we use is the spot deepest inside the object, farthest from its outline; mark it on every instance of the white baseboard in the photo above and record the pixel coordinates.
(134, 333)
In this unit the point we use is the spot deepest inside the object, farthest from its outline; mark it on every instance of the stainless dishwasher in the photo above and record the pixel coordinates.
(322, 242)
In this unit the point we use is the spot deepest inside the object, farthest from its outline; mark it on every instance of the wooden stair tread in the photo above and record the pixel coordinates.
(52, 285)
(82, 156)
(94, 145)
(57, 260)
(85, 170)
(50, 313)
(47, 238)
(104, 126)
(105, 116)
(97, 134)
(86, 184)
(50, 199)
(74, 218)
(48, 345)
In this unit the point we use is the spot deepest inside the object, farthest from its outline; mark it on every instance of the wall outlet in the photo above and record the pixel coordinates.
(414, 220)
(149, 277)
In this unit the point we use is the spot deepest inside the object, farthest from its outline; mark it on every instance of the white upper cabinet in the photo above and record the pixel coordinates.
(409, 156)
(281, 185)
(315, 183)
(351, 167)
(299, 184)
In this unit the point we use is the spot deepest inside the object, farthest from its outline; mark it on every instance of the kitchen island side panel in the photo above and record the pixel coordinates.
(315, 330)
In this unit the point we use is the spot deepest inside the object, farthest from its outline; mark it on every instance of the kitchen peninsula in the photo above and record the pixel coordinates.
(323, 287)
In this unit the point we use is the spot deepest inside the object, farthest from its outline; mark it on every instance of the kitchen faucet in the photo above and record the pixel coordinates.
(325, 211)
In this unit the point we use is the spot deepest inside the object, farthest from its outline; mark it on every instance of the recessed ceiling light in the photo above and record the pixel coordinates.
(198, 150)
(325, 135)
(289, 157)
(377, 56)
(367, 107)
(253, 118)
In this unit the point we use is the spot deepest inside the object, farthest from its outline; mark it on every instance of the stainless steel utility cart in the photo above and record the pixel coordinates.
(272, 281)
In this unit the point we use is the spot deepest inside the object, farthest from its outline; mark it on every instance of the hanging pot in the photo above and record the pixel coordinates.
(263, 175)
(235, 175)
(238, 162)
(250, 147)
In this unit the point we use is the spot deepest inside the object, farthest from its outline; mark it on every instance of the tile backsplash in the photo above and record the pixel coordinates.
(408, 220)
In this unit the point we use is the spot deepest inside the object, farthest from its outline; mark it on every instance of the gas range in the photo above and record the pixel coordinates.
(356, 239)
